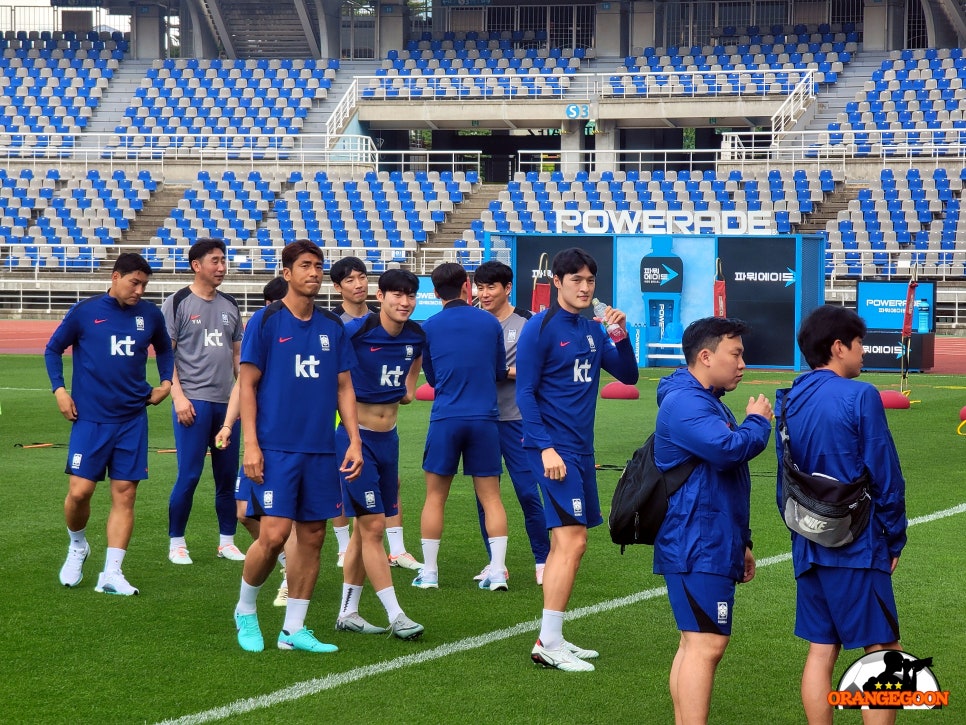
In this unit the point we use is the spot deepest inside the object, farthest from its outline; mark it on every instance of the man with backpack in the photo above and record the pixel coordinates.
(703, 548)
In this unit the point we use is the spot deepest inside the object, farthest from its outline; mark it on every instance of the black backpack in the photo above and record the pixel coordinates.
(640, 499)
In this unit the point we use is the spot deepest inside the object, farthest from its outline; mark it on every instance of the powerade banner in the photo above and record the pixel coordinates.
(427, 303)
(884, 350)
(665, 282)
(883, 305)
(526, 264)
(760, 276)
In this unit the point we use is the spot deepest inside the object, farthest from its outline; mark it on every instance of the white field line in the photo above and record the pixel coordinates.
(329, 682)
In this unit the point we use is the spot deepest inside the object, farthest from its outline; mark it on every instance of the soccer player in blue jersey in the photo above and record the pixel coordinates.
(494, 283)
(388, 349)
(110, 335)
(559, 358)
(463, 359)
(703, 548)
(206, 331)
(837, 427)
(295, 364)
(273, 291)
(350, 278)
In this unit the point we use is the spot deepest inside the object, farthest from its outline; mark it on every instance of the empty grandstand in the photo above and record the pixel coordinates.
(411, 132)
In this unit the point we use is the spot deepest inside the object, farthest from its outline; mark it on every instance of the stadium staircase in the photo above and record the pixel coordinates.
(851, 81)
(462, 216)
(110, 111)
(270, 30)
(152, 216)
(348, 70)
(829, 209)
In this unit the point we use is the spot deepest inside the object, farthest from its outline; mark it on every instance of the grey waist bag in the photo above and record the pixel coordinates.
(821, 508)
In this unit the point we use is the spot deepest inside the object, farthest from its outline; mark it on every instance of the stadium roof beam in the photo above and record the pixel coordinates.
(310, 37)
(218, 20)
(954, 13)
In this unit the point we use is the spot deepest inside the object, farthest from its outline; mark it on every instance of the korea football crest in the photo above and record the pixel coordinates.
(139, 323)
(324, 342)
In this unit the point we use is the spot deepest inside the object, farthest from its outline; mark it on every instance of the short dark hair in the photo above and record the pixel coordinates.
(275, 290)
(493, 272)
(448, 280)
(346, 266)
(129, 262)
(296, 249)
(823, 326)
(707, 333)
(571, 261)
(205, 246)
(398, 280)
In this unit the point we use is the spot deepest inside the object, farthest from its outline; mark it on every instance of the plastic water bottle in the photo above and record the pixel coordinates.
(613, 329)
(922, 316)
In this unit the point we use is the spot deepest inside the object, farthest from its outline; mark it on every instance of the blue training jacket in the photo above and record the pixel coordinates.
(838, 427)
(707, 524)
(559, 358)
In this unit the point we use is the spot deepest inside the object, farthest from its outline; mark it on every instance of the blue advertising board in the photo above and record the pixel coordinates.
(663, 282)
(883, 305)
(427, 303)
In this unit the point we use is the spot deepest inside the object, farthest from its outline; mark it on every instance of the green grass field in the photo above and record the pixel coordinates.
(170, 653)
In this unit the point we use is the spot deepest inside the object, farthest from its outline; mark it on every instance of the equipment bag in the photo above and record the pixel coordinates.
(640, 499)
(823, 509)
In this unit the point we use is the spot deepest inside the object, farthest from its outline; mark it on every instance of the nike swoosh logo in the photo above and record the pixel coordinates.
(284, 339)
(97, 322)
(195, 317)
(375, 349)
(564, 343)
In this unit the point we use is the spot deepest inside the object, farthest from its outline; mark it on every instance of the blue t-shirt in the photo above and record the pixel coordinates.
(463, 358)
(300, 362)
(110, 355)
(559, 357)
(383, 361)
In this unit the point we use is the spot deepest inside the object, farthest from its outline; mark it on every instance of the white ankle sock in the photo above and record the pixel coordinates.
(295, 611)
(394, 536)
(551, 629)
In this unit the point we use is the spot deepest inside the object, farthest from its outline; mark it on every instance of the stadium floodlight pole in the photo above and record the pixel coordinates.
(907, 331)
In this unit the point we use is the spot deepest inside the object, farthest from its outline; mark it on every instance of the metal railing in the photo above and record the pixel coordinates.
(577, 86)
(45, 291)
(797, 102)
(344, 109)
(156, 152)
(570, 162)
(912, 147)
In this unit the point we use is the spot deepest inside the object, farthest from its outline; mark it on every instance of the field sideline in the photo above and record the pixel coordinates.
(169, 655)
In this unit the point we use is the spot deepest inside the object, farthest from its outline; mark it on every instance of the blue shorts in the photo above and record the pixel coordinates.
(701, 602)
(298, 486)
(573, 501)
(117, 449)
(478, 441)
(851, 607)
(376, 490)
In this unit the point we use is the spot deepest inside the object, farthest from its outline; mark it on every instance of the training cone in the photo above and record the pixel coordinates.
(894, 399)
(425, 392)
(619, 391)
